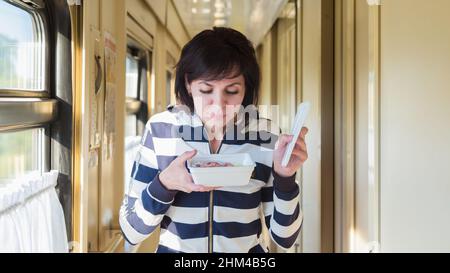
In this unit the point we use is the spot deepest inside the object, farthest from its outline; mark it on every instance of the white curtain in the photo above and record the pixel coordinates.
(31, 216)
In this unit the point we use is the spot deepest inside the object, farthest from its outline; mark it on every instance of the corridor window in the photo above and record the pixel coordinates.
(22, 49)
(132, 77)
(130, 126)
(132, 95)
(137, 71)
(137, 90)
(170, 79)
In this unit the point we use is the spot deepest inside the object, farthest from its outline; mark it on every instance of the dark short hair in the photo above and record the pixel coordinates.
(216, 54)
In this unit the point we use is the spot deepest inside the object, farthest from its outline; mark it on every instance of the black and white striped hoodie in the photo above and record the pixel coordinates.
(229, 219)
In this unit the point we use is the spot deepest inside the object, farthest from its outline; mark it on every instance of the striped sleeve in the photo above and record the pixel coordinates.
(146, 200)
(281, 207)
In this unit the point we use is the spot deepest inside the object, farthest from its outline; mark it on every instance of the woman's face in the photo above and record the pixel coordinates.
(217, 101)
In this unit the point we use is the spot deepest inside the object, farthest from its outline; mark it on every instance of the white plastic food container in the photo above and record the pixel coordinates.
(237, 175)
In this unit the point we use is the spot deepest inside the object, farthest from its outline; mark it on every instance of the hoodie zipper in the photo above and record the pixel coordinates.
(211, 194)
(211, 206)
(210, 236)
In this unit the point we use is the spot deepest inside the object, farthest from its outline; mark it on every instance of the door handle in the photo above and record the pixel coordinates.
(99, 74)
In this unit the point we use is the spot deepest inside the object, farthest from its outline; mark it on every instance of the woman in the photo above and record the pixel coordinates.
(216, 77)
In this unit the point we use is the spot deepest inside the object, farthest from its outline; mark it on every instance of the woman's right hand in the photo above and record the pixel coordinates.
(176, 176)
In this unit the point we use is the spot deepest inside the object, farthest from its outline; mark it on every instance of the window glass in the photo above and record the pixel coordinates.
(136, 90)
(21, 49)
(132, 70)
(20, 152)
(130, 125)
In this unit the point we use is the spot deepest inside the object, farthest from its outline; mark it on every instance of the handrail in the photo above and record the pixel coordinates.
(23, 93)
(116, 242)
(18, 113)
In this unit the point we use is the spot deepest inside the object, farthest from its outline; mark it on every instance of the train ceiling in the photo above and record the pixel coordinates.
(252, 17)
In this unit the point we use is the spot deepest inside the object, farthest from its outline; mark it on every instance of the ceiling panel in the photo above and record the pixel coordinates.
(251, 17)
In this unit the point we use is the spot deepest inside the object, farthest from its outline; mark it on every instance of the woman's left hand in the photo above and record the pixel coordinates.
(298, 157)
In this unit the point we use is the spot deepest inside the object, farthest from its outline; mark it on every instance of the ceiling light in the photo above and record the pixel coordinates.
(206, 10)
(219, 22)
(219, 5)
(219, 14)
(194, 10)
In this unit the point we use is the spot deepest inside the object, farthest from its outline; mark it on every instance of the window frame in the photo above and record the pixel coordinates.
(52, 107)
(36, 108)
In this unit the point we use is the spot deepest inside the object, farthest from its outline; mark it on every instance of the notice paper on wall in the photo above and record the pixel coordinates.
(110, 94)
(94, 101)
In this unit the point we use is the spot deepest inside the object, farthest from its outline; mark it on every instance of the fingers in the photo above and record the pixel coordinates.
(303, 132)
(302, 155)
(189, 186)
(200, 188)
(300, 144)
(194, 187)
(186, 156)
(283, 140)
(207, 189)
(300, 149)
(184, 181)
